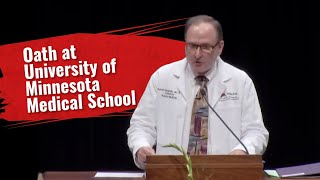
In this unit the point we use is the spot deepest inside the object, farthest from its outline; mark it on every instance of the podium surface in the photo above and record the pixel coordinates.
(217, 167)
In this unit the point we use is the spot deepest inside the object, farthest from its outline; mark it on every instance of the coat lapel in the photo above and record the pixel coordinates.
(179, 77)
(218, 87)
(216, 92)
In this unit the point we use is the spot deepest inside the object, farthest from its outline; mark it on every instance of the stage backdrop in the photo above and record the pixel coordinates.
(72, 73)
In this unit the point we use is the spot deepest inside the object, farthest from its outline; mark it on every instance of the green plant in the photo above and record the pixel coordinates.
(186, 156)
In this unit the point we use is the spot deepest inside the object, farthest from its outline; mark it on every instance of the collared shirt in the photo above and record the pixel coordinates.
(191, 90)
(191, 86)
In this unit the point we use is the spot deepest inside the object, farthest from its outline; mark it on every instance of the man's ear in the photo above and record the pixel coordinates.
(221, 45)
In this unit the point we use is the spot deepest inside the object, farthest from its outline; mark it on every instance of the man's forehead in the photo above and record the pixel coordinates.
(203, 30)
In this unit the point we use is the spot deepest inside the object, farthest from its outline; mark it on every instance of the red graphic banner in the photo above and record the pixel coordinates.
(79, 75)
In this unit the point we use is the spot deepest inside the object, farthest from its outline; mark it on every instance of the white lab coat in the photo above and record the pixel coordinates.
(162, 116)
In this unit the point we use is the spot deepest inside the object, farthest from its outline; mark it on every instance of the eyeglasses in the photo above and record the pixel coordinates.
(206, 48)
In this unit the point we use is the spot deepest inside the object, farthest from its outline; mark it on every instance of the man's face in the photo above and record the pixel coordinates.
(202, 47)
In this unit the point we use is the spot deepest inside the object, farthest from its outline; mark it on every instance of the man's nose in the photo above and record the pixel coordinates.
(198, 52)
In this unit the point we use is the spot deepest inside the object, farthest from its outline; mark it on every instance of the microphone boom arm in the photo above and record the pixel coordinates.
(205, 98)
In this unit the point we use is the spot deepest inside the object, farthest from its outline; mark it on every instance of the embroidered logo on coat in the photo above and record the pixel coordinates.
(229, 96)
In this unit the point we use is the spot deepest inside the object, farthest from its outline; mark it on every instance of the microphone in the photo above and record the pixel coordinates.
(203, 92)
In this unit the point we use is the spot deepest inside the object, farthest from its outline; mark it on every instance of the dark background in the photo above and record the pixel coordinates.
(270, 40)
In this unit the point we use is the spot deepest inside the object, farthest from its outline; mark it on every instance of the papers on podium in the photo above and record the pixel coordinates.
(120, 174)
(271, 172)
(312, 169)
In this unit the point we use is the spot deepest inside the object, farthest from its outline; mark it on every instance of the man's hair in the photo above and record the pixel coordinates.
(206, 19)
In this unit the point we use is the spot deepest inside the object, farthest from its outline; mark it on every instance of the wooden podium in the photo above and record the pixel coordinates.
(216, 167)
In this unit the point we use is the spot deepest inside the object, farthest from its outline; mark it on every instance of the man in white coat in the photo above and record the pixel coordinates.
(163, 115)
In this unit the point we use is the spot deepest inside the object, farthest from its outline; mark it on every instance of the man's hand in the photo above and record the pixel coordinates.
(238, 152)
(143, 152)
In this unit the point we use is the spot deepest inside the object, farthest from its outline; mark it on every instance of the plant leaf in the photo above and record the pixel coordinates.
(186, 156)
